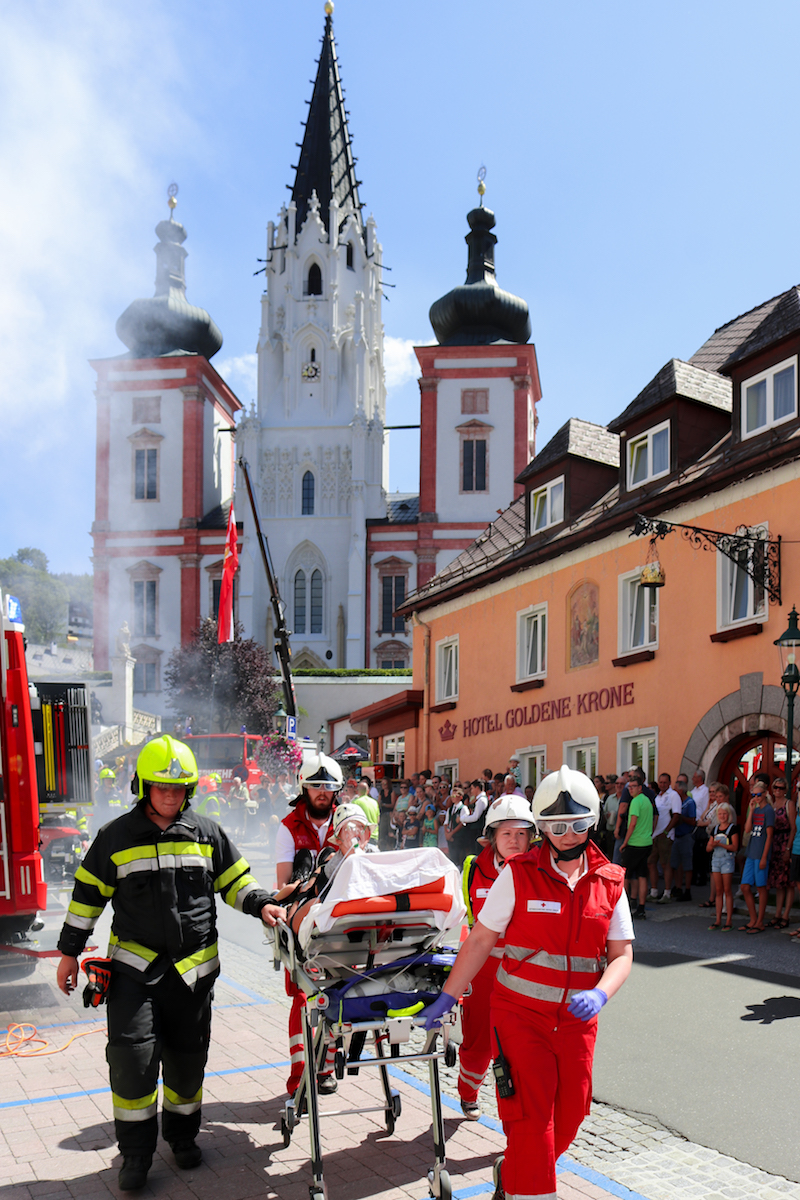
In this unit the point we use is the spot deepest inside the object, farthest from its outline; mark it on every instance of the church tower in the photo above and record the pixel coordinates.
(164, 475)
(315, 445)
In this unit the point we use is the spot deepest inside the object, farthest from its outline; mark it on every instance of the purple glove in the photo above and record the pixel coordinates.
(433, 1013)
(585, 1005)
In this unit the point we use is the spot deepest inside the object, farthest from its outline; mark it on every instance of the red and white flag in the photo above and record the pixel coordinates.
(229, 564)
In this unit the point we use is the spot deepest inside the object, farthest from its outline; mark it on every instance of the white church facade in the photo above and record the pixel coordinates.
(345, 552)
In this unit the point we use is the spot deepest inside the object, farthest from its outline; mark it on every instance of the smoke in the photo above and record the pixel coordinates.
(88, 92)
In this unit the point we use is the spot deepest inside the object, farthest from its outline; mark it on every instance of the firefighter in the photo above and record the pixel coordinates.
(160, 865)
(507, 832)
(563, 913)
(301, 836)
(208, 802)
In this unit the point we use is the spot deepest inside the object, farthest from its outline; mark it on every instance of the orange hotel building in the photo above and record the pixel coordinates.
(540, 639)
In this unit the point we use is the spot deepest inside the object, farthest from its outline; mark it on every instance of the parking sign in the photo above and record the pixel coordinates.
(291, 727)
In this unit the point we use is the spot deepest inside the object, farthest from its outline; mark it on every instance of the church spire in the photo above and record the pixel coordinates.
(326, 164)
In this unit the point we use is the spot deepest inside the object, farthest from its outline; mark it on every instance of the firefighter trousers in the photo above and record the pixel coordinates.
(477, 1048)
(165, 1025)
(550, 1056)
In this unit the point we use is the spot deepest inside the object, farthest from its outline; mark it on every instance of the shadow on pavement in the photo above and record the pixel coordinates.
(776, 1008)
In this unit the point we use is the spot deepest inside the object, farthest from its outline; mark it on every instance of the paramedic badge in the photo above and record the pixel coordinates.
(544, 906)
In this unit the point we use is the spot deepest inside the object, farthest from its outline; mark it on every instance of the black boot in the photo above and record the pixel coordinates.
(187, 1154)
(133, 1174)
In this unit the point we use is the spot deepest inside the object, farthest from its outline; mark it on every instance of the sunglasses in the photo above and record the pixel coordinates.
(559, 828)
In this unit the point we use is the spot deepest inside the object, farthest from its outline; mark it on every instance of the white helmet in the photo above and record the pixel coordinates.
(566, 795)
(509, 808)
(321, 772)
(350, 812)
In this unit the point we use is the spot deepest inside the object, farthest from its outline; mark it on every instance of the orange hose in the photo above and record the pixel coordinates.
(20, 1035)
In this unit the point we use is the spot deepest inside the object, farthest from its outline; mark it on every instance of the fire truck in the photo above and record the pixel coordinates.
(45, 774)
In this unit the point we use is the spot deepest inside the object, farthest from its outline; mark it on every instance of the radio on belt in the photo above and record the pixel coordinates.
(501, 1072)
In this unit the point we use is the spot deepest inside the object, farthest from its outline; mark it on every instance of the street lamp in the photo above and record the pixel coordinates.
(280, 715)
(788, 644)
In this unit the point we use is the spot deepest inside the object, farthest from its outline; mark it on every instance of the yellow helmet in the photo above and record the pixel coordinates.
(107, 773)
(165, 760)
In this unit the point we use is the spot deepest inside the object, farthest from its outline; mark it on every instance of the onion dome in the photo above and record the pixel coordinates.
(167, 323)
(479, 312)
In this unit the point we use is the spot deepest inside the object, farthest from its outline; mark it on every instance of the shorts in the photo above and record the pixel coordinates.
(634, 860)
(794, 869)
(723, 862)
(753, 874)
(662, 849)
(682, 852)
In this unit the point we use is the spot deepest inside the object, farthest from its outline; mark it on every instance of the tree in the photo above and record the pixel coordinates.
(222, 687)
(44, 599)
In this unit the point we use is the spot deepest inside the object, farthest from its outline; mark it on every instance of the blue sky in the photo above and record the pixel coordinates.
(641, 161)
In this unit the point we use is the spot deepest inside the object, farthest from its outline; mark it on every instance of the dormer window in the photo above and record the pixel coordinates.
(648, 456)
(769, 398)
(547, 505)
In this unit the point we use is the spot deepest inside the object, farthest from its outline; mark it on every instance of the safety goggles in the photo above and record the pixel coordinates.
(323, 785)
(558, 828)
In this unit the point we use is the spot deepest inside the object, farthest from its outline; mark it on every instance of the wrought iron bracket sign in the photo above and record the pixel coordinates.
(758, 555)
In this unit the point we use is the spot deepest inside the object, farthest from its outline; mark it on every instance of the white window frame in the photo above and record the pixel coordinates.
(647, 438)
(767, 376)
(535, 611)
(625, 741)
(579, 746)
(447, 767)
(443, 648)
(546, 493)
(528, 754)
(725, 570)
(625, 613)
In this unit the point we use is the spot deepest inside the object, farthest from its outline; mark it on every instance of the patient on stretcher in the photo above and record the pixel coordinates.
(311, 881)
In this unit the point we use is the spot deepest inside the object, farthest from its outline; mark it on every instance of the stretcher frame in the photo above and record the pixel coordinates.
(336, 950)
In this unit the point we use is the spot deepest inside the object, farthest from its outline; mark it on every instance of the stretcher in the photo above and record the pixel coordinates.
(369, 954)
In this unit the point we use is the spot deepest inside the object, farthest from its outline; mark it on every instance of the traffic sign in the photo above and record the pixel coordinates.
(291, 727)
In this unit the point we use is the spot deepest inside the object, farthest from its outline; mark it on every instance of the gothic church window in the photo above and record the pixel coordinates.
(300, 602)
(302, 610)
(316, 601)
(308, 495)
(314, 281)
(350, 256)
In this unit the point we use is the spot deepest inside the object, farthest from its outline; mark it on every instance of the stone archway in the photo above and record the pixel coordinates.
(753, 709)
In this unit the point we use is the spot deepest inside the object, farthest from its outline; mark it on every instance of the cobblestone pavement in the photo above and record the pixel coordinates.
(56, 1136)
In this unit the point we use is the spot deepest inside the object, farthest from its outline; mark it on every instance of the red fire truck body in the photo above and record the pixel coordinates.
(22, 888)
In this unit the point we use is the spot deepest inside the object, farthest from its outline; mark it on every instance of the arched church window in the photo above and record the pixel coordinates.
(300, 602)
(316, 601)
(314, 286)
(350, 255)
(313, 356)
(308, 494)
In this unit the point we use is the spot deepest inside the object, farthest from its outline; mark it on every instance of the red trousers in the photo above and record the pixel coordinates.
(551, 1066)
(296, 1038)
(477, 1048)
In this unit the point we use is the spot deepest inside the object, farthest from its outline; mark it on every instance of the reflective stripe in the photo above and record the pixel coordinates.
(497, 951)
(243, 887)
(197, 965)
(470, 1077)
(537, 991)
(131, 953)
(84, 910)
(554, 962)
(181, 849)
(143, 864)
(166, 856)
(135, 1110)
(182, 1104)
(134, 855)
(84, 876)
(239, 868)
(79, 922)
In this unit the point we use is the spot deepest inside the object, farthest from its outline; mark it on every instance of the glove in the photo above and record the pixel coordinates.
(433, 1013)
(585, 1005)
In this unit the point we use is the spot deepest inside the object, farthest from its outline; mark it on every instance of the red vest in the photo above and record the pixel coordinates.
(555, 943)
(304, 832)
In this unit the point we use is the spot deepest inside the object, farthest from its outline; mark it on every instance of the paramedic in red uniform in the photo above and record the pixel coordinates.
(562, 910)
(507, 831)
(308, 827)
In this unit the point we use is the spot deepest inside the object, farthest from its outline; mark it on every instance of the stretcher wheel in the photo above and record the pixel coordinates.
(397, 1105)
(339, 1063)
(286, 1132)
(450, 1054)
(445, 1186)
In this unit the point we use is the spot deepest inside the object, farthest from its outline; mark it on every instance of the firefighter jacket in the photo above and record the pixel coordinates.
(162, 887)
(555, 943)
(479, 875)
(304, 832)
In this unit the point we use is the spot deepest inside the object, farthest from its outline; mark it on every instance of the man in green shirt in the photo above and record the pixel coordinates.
(370, 808)
(638, 841)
